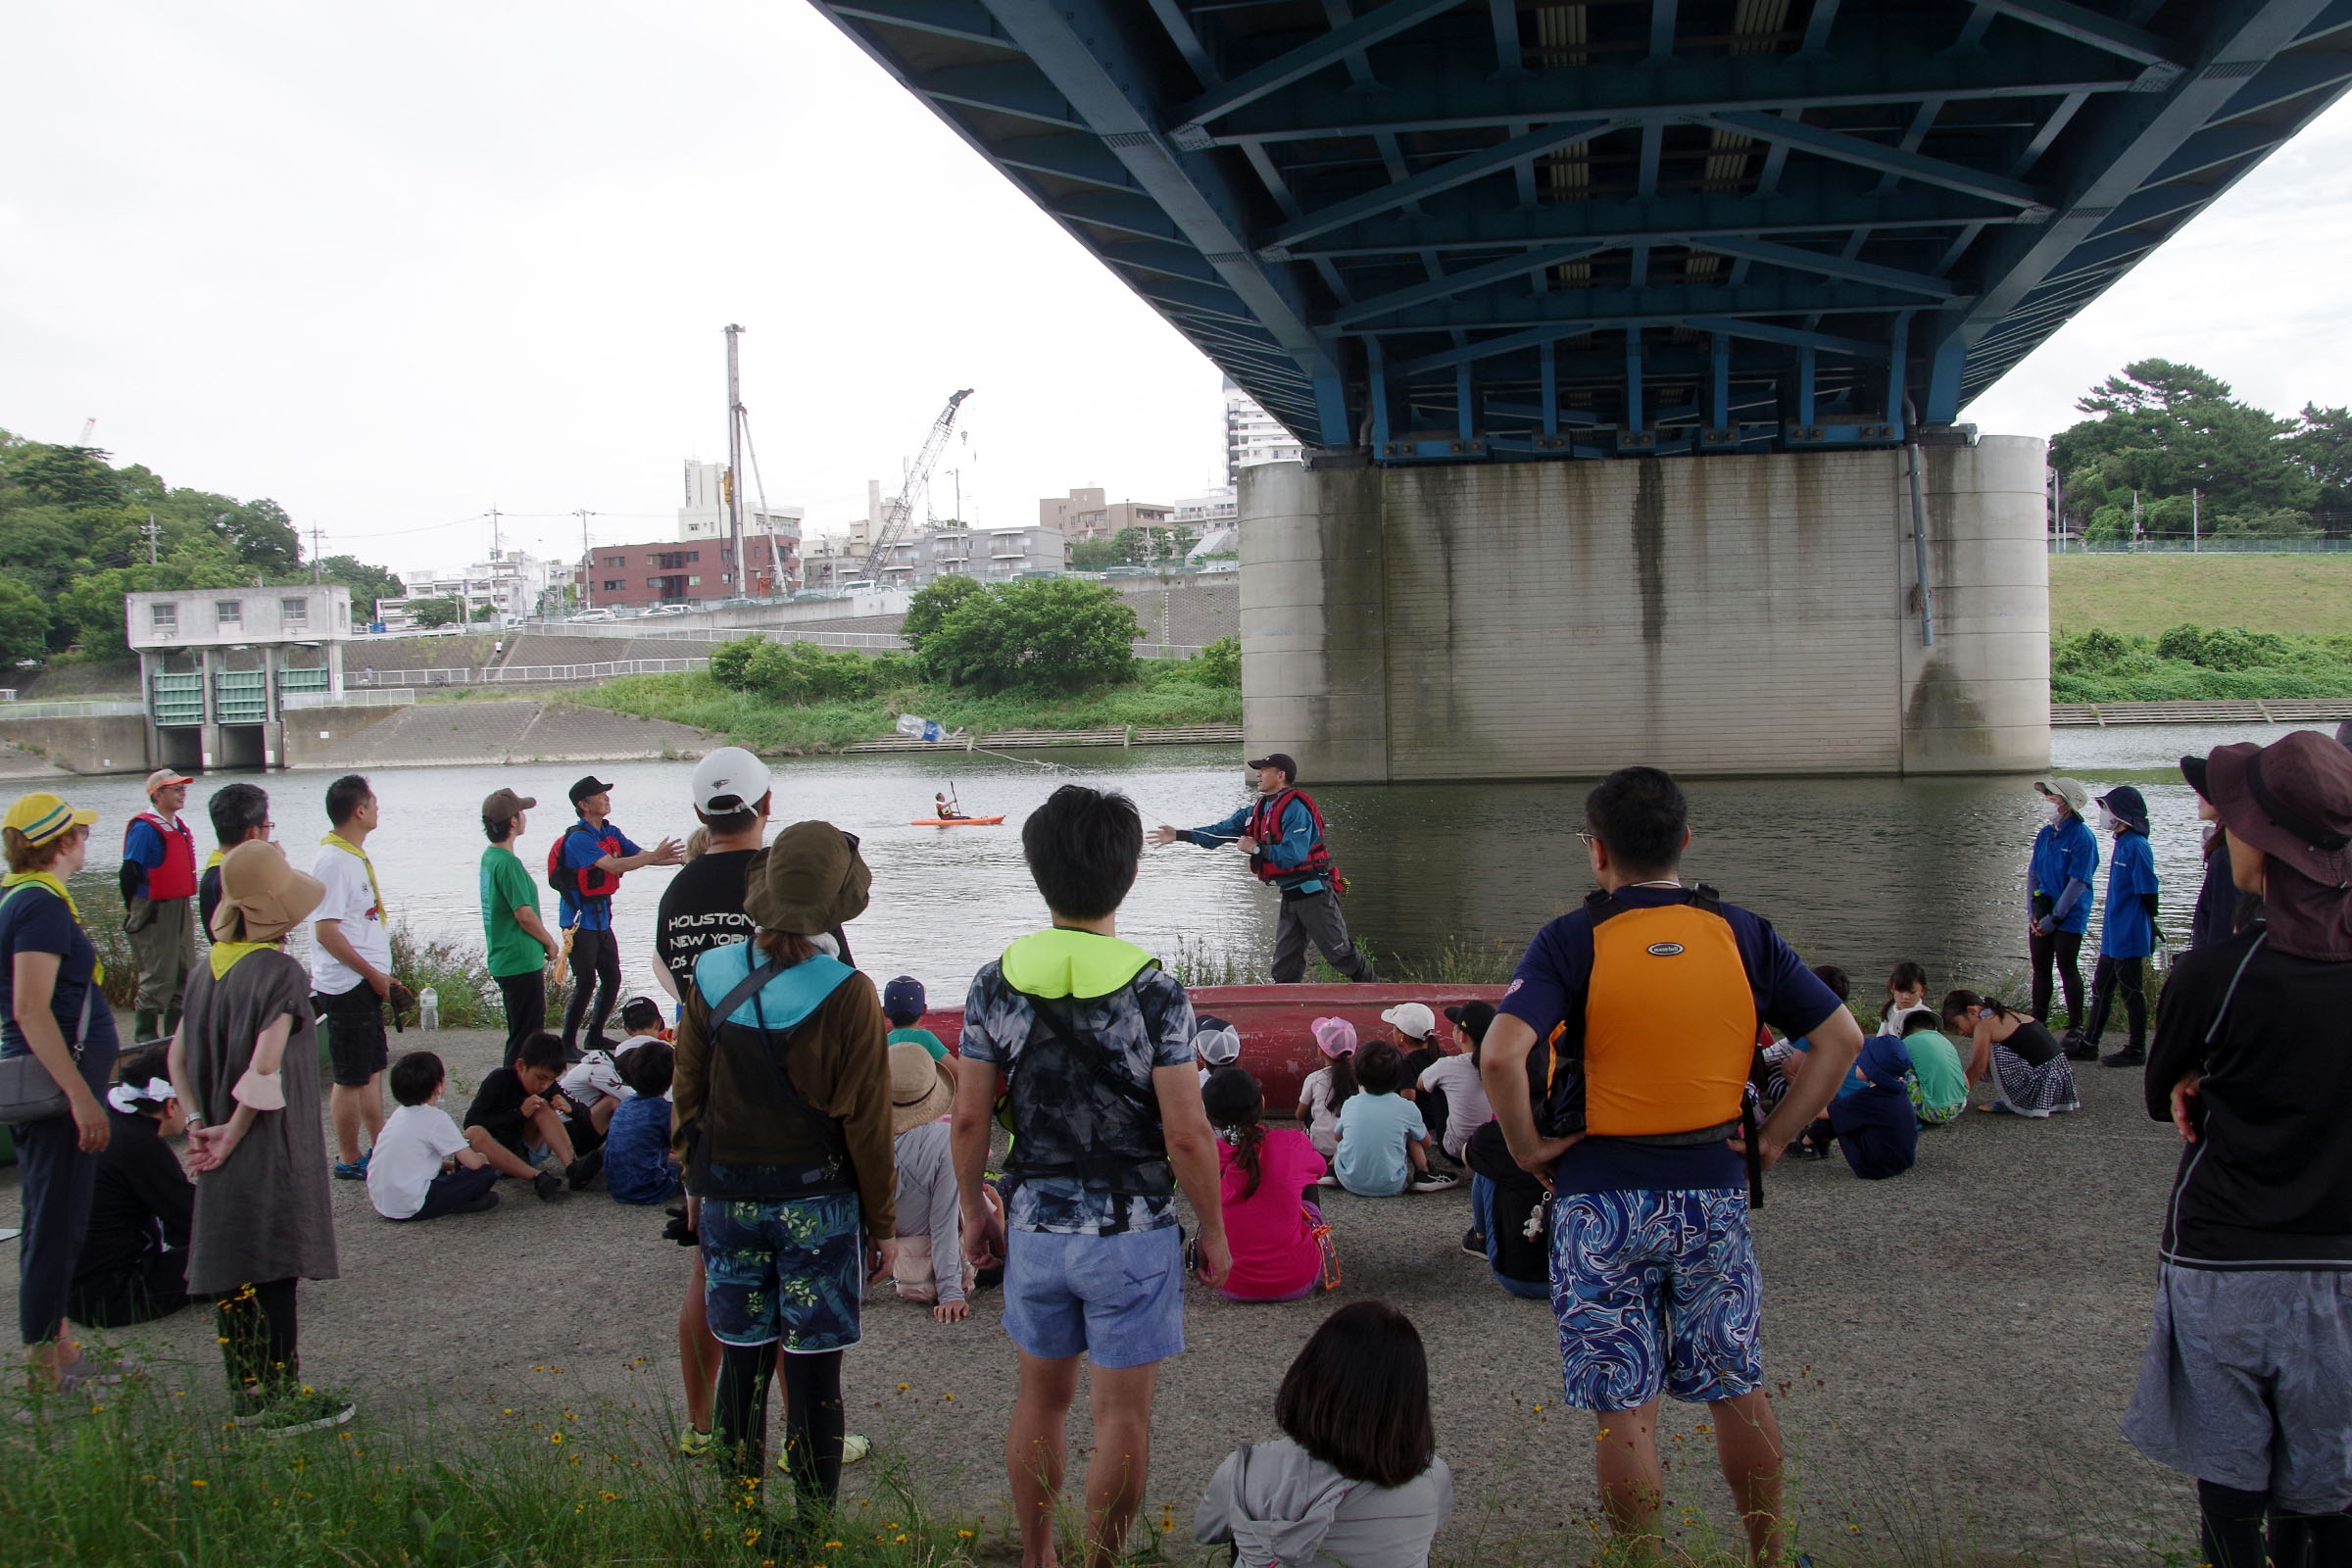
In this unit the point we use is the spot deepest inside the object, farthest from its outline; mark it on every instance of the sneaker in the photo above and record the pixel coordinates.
(1430, 1181)
(1327, 1181)
(853, 1448)
(2076, 1047)
(694, 1444)
(248, 1405)
(583, 1170)
(352, 1170)
(547, 1186)
(2126, 1058)
(1474, 1244)
(480, 1206)
(310, 1410)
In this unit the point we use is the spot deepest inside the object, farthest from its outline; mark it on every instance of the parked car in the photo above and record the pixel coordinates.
(595, 614)
(668, 610)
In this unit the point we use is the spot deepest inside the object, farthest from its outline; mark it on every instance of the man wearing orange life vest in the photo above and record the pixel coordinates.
(1617, 1066)
(157, 879)
(1282, 833)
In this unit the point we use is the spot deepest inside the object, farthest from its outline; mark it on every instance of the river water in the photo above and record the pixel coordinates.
(1858, 872)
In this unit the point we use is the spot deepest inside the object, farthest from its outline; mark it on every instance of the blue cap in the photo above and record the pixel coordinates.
(903, 997)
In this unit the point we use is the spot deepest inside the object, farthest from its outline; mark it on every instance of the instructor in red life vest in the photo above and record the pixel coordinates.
(159, 898)
(1282, 833)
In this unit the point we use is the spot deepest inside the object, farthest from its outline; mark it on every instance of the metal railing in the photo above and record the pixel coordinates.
(2235, 546)
(353, 697)
(522, 674)
(95, 708)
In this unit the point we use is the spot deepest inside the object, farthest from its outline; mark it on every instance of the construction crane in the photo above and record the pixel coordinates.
(897, 511)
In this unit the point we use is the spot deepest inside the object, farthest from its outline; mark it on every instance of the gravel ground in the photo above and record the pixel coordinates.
(1955, 1346)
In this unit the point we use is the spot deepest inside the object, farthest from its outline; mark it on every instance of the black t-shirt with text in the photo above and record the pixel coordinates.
(701, 908)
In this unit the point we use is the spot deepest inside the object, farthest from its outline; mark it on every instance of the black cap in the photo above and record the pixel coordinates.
(591, 785)
(2193, 769)
(1475, 1017)
(1280, 759)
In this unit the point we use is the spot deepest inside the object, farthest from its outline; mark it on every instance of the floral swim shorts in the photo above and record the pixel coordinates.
(792, 1272)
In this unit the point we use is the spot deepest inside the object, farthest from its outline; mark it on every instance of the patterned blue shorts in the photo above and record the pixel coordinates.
(791, 1271)
(1657, 1292)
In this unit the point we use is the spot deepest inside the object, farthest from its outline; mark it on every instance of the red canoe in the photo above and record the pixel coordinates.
(1276, 1045)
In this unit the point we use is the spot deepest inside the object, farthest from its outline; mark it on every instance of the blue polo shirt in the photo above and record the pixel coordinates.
(2061, 854)
(583, 846)
(2126, 928)
(1556, 970)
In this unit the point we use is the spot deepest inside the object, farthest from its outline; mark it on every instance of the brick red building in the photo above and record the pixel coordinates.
(675, 572)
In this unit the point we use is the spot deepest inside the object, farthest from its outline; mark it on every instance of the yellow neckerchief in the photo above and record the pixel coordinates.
(225, 955)
(55, 885)
(349, 848)
(217, 856)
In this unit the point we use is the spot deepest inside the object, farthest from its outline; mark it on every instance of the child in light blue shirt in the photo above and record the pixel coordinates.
(1384, 1143)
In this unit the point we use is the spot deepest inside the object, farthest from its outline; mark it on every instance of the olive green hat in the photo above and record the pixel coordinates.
(808, 881)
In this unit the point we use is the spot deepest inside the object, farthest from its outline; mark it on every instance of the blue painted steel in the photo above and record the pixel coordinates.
(1519, 229)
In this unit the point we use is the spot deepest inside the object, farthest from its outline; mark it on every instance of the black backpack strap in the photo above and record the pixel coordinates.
(749, 986)
(1705, 897)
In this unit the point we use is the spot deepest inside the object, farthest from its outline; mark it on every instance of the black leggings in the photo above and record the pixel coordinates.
(813, 1418)
(2113, 975)
(2064, 949)
(595, 966)
(526, 999)
(2230, 1532)
(257, 1338)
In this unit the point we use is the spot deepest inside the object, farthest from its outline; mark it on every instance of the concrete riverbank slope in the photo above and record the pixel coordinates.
(444, 734)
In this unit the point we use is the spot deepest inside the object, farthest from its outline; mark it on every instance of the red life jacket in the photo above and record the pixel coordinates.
(589, 882)
(1265, 827)
(176, 878)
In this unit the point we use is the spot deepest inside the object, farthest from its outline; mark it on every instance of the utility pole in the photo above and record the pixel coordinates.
(494, 530)
(317, 572)
(151, 531)
(735, 460)
(587, 559)
(2194, 546)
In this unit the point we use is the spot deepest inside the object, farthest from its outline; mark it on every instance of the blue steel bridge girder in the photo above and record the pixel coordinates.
(1526, 229)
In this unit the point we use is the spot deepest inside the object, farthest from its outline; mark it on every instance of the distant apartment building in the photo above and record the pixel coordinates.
(676, 572)
(988, 555)
(705, 517)
(1204, 511)
(1088, 515)
(1254, 436)
(510, 583)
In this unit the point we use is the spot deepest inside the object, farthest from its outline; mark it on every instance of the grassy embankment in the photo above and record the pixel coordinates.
(2116, 620)
(1163, 694)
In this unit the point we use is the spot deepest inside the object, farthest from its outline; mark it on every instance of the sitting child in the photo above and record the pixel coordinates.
(1355, 1478)
(516, 1113)
(1872, 1118)
(595, 1086)
(1417, 1043)
(931, 1269)
(1906, 988)
(1510, 1216)
(134, 1267)
(1383, 1143)
(423, 1167)
(638, 1167)
(1216, 1043)
(1326, 1090)
(1452, 1082)
(904, 1004)
(1938, 1081)
(1281, 1247)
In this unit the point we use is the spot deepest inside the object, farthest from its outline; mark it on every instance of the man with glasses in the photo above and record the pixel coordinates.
(1282, 833)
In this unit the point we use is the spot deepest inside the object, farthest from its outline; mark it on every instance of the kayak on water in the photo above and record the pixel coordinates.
(955, 821)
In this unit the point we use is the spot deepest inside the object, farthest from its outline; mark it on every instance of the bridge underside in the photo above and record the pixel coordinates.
(1478, 230)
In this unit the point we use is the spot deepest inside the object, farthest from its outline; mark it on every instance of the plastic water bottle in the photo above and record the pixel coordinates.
(428, 1008)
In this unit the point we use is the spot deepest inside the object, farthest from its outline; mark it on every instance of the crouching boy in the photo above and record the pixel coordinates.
(423, 1167)
(517, 1117)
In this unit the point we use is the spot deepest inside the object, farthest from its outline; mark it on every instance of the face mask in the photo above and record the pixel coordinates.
(2105, 821)
(2058, 813)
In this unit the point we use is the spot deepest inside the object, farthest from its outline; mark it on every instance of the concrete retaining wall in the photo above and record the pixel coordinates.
(1732, 615)
(115, 745)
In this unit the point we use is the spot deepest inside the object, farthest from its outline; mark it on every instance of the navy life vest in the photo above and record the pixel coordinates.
(1265, 827)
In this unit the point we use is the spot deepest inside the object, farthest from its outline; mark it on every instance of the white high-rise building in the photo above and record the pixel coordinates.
(704, 513)
(1253, 435)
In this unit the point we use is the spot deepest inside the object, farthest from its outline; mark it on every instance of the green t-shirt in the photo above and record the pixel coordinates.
(507, 886)
(921, 1037)
(1936, 1062)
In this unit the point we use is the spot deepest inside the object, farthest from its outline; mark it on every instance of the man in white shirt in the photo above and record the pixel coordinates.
(351, 970)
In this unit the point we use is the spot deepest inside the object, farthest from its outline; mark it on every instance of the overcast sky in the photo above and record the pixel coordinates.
(392, 266)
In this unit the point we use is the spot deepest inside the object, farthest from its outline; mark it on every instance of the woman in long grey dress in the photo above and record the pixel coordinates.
(246, 1065)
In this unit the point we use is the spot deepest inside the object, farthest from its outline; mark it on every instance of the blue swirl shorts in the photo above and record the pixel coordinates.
(1657, 1292)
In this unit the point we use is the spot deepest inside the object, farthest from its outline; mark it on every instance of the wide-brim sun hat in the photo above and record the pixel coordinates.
(2291, 799)
(808, 881)
(2072, 791)
(921, 1090)
(261, 897)
(2125, 804)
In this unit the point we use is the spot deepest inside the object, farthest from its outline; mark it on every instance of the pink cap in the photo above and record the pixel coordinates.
(1335, 1037)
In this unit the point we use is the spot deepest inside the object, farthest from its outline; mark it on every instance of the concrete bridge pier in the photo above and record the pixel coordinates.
(1754, 613)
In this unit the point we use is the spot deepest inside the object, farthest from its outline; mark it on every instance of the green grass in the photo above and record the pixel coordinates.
(161, 1479)
(2311, 595)
(1162, 696)
(2189, 664)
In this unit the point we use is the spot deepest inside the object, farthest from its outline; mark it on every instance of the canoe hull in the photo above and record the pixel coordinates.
(955, 821)
(1277, 1046)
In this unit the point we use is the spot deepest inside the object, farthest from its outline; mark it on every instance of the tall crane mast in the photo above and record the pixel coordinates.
(898, 510)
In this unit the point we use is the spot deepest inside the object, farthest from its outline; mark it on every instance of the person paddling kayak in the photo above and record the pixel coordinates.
(945, 810)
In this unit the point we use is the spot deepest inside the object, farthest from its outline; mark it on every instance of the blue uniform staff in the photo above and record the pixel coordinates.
(1281, 832)
(2066, 856)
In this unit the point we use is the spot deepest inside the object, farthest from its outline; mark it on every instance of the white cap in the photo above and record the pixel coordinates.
(1413, 1019)
(729, 779)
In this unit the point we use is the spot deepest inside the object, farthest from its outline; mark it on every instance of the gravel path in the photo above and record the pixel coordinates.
(1956, 1345)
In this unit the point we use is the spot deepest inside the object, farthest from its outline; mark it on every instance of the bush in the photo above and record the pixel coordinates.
(1054, 631)
(802, 673)
(931, 605)
(1219, 664)
(731, 661)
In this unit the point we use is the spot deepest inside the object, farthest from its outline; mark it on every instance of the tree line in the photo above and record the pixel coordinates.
(77, 533)
(2172, 449)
